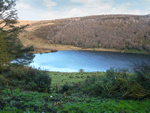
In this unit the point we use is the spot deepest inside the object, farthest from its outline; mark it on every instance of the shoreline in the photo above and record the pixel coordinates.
(68, 48)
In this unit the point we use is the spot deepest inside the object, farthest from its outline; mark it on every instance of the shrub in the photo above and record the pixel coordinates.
(71, 76)
(81, 70)
(17, 73)
(31, 85)
(110, 72)
(43, 82)
(99, 86)
(88, 76)
(93, 79)
(143, 80)
(65, 87)
(142, 71)
(90, 86)
(77, 76)
(82, 76)
(116, 84)
(31, 74)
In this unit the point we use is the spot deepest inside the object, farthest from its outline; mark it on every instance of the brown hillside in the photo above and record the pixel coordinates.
(118, 32)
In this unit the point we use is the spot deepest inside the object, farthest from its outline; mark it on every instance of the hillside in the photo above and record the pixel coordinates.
(116, 32)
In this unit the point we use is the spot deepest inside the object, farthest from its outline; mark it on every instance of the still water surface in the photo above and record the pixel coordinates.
(89, 61)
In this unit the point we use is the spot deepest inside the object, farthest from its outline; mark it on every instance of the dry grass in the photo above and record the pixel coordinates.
(32, 26)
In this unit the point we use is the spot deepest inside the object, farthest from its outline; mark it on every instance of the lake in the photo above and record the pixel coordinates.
(89, 61)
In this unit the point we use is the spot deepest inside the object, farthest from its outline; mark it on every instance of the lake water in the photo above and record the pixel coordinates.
(89, 61)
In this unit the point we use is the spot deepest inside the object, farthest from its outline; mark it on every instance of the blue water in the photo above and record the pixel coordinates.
(89, 61)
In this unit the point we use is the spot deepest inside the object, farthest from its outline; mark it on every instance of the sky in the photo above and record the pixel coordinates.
(37, 10)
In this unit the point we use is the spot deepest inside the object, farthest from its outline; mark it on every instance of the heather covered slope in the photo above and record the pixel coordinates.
(115, 32)
(118, 32)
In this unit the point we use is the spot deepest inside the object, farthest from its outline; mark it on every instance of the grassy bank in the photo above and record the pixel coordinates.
(135, 52)
(78, 92)
(58, 47)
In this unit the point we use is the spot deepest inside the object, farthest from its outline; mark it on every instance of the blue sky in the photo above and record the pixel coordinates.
(57, 9)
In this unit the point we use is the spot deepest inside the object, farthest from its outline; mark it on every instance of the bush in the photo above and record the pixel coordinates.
(65, 87)
(81, 70)
(93, 86)
(31, 74)
(16, 73)
(115, 84)
(42, 80)
(143, 80)
(110, 73)
(31, 85)
(142, 71)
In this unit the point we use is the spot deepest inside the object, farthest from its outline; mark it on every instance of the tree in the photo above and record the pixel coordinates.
(14, 45)
(4, 56)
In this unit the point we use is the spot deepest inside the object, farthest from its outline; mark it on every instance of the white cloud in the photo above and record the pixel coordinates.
(76, 12)
(22, 6)
(88, 2)
(49, 3)
(87, 7)
(79, 1)
(97, 7)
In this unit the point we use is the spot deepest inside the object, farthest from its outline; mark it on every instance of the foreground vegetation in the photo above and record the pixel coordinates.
(24, 90)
